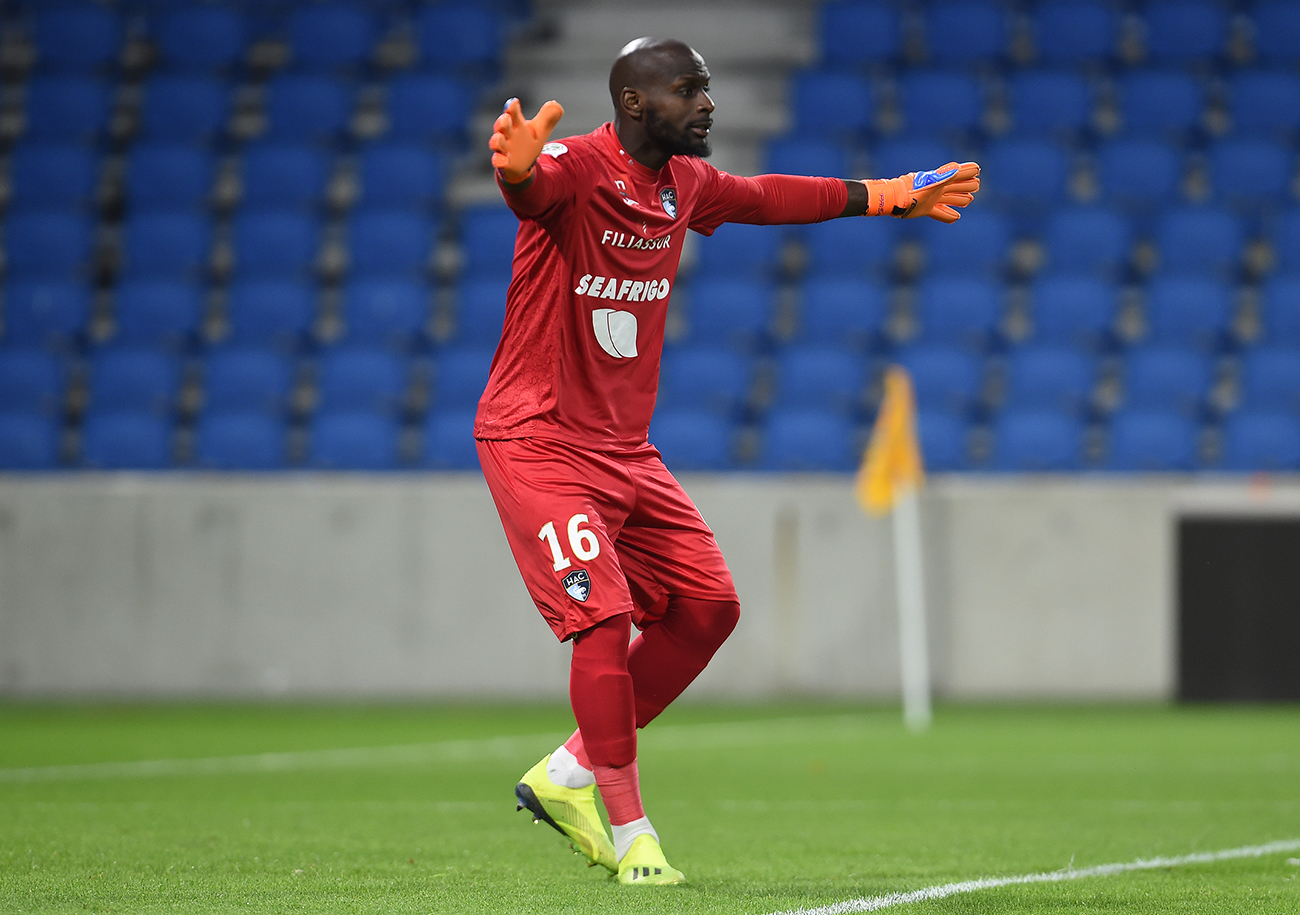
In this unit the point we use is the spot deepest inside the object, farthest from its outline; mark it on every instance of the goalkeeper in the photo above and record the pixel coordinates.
(603, 535)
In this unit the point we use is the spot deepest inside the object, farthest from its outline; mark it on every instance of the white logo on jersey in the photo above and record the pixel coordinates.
(610, 287)
(615, 332)
(627, 240)
(554, 150)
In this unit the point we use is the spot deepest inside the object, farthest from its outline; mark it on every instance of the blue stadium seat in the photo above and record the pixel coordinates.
(126, 440)
(81, 38)
(809, 440)
(284, 175)
(390, 243)
(831, 105)
(856, 32)
(401, 175)
(1088, 241)
(52, 176)
(978, 245)
(848, 248)
(169, 176)
(353, 440)
(1285, 236)
(801, 155)
(235, 440)
(1264, 103)
(1277, 31)
(1037, 440)
(1269, 378)
(201, 38)
(166, 244)
(448, 440)
(730, 310)
(962, 310)
(184, 108)
(275, 245)
(945, 379)
(1251, 175)
(331, 36)
(1170, 378)
(385, 311)
(840, 309)
(1188, 310)
(1201, 241)
(367, 378)
(900, 155)
(1151, 440)
(46, 313)
(429, 108)
(966, 31)
(157, 312)
(460, 38)
(460, 376)
(1049, 102)
(693, 439)
(1071, 32)
(134, 378)
(944, 440)
(740, 250)
(1160, 103)
(1050, 377)
(307, 108)
(937, 103)
(274, 313)
(47, 245)
(1259, 440)
(705, 377)
(32, 380)
(1074, 310)
(1280, 310)
(248, 379)
(487, 237)
(28, 441)
(480, 310)
(1027, 177)
(66, 109)
(819, 376)
(1180, 32)
(1139, 175)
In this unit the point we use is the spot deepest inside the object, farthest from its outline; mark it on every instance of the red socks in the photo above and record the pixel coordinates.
(615, 690)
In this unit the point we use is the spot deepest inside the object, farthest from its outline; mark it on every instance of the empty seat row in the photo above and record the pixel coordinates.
(862, 32)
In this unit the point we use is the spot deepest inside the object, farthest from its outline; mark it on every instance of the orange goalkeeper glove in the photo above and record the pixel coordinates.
(933, 194)
(516, 143)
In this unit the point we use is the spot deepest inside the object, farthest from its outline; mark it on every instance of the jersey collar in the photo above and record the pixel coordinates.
(616, 147)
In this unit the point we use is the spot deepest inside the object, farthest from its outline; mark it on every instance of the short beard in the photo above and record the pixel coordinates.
(675, 144)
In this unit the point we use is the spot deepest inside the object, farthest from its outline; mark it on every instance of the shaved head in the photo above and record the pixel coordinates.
(662, 108)
(649, 62)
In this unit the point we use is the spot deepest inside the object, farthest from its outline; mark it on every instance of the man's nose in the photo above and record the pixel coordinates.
(706, 103)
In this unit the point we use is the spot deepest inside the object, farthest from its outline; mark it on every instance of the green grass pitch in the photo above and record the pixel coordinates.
(409, 808)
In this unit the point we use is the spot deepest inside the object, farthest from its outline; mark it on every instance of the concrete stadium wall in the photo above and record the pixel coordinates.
(403, 586)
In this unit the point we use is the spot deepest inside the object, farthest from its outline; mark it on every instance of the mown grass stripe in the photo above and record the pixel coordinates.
(928, 894)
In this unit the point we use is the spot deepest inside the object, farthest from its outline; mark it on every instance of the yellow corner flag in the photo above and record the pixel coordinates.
(893, 456)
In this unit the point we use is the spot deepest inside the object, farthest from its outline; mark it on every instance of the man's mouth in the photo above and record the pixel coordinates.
(701, 128)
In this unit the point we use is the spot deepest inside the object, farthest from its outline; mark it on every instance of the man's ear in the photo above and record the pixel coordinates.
(632, 102)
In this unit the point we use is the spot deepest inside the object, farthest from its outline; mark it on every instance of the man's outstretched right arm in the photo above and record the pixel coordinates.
(516, 143)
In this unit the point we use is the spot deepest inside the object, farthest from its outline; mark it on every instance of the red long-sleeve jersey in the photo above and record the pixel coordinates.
(596, 255)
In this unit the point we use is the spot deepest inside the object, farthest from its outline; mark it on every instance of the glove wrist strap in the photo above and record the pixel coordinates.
(888, 196)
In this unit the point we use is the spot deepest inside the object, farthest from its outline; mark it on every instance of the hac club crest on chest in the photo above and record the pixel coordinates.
(668, 197)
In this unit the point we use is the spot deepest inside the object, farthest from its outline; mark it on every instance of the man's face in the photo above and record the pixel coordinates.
(679, 112)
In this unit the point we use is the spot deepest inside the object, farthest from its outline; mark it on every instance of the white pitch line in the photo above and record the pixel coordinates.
(890, 900)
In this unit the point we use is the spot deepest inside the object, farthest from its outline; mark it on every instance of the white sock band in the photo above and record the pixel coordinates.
(564, 769)
(623, 835)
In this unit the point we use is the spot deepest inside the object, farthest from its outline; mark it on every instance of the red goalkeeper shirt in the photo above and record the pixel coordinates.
(596, 255)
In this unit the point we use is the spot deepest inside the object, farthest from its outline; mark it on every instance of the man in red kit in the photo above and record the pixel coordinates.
(604, 536)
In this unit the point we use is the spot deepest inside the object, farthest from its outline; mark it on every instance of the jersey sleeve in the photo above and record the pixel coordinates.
(765, 199)
(554, 183)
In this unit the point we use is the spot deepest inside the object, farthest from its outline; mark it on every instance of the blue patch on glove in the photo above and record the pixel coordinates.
(925, 179)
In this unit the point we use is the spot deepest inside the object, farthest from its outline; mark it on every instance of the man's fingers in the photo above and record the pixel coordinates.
(547, 117)
(944, 214)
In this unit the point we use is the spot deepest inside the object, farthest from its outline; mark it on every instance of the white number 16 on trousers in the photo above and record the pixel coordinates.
(584, 543)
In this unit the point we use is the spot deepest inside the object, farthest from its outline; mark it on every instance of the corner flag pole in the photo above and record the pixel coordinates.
(888, 480)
